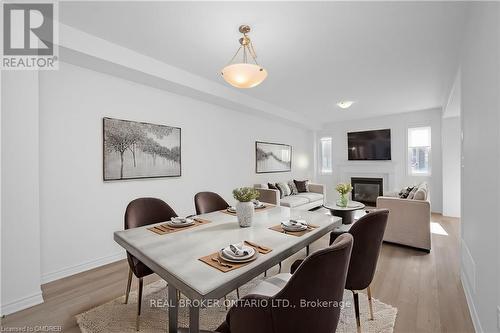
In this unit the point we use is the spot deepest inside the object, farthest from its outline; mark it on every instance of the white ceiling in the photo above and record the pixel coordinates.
(388, 57)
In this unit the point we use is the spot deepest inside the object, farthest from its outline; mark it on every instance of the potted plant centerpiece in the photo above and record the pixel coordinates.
(244, 206)
(343, 190)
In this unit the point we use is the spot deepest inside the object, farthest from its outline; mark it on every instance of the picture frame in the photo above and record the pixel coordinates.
(139, 150)
(272, 157)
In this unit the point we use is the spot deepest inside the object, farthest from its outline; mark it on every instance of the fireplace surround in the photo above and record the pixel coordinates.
(366, 190)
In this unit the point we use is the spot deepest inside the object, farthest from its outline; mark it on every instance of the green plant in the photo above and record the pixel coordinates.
(245, 194)
(343, 188)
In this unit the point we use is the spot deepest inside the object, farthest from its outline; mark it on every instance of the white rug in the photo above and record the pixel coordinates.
(115, 316)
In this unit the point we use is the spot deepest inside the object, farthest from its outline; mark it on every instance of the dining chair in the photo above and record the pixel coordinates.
(207, 202)
(288, 303)
(141, 212)
(368, 233)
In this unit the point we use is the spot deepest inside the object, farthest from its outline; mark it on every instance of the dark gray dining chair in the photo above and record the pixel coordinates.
(368, 233)
(286, 302)
(141, 212)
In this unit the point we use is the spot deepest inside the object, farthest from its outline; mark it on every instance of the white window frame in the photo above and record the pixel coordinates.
(408, 160)
(320, 150)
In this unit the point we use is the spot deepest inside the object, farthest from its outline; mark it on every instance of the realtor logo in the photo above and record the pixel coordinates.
(28, 36)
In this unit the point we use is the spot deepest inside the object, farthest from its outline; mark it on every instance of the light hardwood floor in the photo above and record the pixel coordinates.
(425, 288)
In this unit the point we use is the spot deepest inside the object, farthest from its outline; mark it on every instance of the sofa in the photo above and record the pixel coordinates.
(409, 218)
(315, 197)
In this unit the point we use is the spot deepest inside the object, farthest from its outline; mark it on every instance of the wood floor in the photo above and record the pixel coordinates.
(425, 288)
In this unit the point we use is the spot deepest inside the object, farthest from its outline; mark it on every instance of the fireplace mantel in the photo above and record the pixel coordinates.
(369, 169)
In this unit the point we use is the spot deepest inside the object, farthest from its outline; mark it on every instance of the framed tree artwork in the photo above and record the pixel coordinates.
(133, 150)
(272, 157)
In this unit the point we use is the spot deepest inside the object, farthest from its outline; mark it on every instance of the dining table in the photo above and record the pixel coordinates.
(175, 257)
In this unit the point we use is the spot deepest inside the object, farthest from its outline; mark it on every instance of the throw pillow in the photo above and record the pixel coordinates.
(284, 189)
(405, 192)
(272, 186)
(421, 194)
(302, 185)
(412, 193)
(293, 187)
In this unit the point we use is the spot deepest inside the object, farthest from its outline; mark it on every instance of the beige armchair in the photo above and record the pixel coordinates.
(409, 222)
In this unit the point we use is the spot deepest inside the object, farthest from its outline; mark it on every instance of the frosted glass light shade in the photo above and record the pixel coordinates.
(244, 75)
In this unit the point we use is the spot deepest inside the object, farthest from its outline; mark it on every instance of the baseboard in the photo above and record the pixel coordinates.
(21, 304)
(65, 272)
(470, 303)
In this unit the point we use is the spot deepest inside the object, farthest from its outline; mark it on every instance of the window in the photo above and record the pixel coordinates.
(325, 150)
(419, 151)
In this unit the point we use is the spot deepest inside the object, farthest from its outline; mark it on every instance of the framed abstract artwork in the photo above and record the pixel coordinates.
(133, 150)
(272, 157)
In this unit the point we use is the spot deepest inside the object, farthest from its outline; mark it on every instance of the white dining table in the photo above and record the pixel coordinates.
(175, 256)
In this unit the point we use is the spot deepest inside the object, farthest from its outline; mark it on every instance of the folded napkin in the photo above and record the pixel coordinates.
(180, 220)
(298, 221)
(237, 251)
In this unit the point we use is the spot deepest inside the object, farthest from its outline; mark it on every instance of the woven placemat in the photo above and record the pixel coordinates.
(164, 229)
(222, 265)
(280, 229)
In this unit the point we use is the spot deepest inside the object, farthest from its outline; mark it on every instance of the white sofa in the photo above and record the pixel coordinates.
(305, 200)
(409, 219)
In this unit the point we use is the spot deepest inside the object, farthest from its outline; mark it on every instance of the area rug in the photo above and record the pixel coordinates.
(115, 316)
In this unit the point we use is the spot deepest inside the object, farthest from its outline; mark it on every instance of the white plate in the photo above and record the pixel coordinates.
(231, 209)
(228, 254)
(288, 226)
(238, 261)
(180, 223)
(260, 206)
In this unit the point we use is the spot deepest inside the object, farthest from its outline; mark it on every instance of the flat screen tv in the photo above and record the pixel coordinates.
(369, 145)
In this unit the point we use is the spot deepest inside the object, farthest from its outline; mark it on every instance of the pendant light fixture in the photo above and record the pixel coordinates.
(244, 74)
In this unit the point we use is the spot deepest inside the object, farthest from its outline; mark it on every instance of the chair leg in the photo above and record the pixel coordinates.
(129, 282)
(238, 293)
(279, 270)
(178, 295)
(265, 273)
(139, 301)
(225, 302)
(356, 310)
(370, 303)
(307, 250)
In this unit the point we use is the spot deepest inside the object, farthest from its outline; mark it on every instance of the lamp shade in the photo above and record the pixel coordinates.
(244, 75)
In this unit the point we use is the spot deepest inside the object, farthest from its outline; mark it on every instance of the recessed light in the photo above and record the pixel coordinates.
(345, 104)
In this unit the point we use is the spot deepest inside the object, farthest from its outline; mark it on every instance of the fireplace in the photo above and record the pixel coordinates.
(366, 190)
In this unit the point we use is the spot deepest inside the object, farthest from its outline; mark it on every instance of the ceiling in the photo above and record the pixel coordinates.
(389, 57)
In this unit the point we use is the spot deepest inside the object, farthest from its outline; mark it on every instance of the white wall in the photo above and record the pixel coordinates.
(450, 132)
(481, 164)
(20, 225)
(79, 212)
(397, 166)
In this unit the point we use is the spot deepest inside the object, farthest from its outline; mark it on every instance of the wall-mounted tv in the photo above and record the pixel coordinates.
(369, 145)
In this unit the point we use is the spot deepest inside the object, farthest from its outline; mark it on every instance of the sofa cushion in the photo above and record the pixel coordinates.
(272, 186)
(284, 189)
(294, 201)
(311, 196)
(293, 187)
(412, 193)
(301, 185)
(406, 192)
(421, 194)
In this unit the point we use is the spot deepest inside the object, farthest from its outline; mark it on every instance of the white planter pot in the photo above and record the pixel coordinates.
(244, 212)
